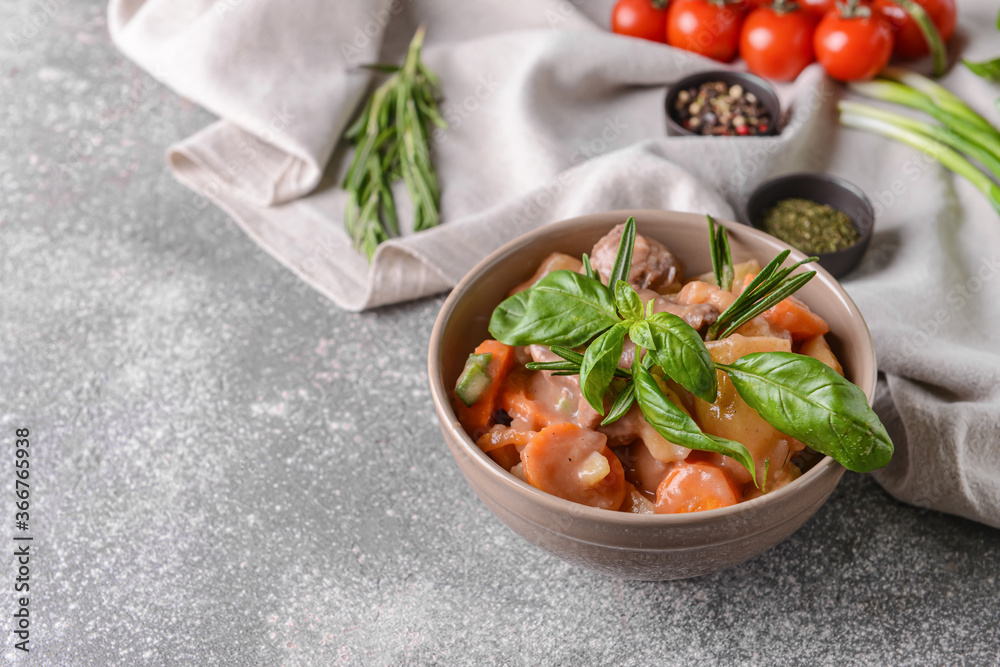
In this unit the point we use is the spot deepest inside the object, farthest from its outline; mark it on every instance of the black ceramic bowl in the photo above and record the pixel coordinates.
(754, 84)
(822, 189)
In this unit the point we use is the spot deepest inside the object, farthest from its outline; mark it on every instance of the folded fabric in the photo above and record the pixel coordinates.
(551, 116)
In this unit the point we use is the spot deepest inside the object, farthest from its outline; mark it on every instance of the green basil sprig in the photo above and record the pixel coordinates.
(810, 401)
(678, 349)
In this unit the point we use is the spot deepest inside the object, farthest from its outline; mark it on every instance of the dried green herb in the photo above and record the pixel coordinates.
(812, 228)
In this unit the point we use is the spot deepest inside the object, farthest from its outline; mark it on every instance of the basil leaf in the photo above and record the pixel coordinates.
(623, 260)
(628, 301)
(509, 315)
(808, 400)
(988, 69)
(599, 364)
(673, 424)
(563, 307)
(623, 403)
(588, 270)
(678, 349)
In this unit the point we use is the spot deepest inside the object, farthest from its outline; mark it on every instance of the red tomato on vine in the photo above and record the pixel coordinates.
(707, 27)
(853, 45)
(640, 18)
(777, 41)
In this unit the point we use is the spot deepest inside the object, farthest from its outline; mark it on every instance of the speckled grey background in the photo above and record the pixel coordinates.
(227, 470)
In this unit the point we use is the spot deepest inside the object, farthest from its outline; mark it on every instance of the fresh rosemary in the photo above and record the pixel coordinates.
(772, 284)
(392, 142)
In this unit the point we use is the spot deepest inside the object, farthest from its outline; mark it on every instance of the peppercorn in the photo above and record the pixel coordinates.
(713, 108)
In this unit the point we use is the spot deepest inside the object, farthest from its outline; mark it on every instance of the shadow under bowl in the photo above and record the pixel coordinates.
(633, 546)
(822, 189)
(762, 89)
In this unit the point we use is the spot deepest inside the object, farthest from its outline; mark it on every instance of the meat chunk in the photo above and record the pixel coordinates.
(653, 265)
(698, 315)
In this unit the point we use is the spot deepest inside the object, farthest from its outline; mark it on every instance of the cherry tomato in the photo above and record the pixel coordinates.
(640, 18)
(852, 48)
(816, 7)
(705, 27)
(910, 42)
(777, 44)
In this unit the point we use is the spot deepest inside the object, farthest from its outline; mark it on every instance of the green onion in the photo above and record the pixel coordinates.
(943, 134)
(939, 96)
(936, 149)
(960, 123)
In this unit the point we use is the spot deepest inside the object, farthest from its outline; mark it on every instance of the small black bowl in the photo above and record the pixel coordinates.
(822, 189)
(754, 84)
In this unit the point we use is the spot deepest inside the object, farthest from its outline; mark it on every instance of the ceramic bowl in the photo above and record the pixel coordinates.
(754, 84)
(648, 547)
(822, 189)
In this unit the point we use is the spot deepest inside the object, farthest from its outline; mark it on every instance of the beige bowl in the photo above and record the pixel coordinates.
(650, 547)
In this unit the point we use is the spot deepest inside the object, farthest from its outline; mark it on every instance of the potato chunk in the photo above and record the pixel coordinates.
(730, 417)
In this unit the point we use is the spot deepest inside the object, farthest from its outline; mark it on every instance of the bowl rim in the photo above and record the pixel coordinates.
(439, 392)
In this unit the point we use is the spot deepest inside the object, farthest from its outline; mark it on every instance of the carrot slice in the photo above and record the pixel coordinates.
(478, 417)
(501, 436)
(506, 456)
(695, 487)
(566, 460)
(795, 317)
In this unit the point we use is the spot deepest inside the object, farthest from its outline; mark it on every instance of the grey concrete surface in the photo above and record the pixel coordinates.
(227, 470)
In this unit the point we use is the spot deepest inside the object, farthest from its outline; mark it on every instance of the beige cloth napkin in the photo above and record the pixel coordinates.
(550, 117)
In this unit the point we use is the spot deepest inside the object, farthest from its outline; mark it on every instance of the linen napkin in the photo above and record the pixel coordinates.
(551, 116)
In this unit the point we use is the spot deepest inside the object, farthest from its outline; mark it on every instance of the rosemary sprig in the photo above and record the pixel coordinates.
(722, 258)
(392, 142)
(571, 364)
(772, 284)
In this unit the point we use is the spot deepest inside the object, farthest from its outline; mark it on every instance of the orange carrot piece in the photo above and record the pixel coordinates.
(558, 460)
(795, 317)
(519, 402)
(506, 457)
(502, 436)
(695, 487)
(479, 416)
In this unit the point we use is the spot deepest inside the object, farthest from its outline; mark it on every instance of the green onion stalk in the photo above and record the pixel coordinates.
(939, 97)
(942, 153)
(945, 135)
(962, 121)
